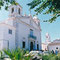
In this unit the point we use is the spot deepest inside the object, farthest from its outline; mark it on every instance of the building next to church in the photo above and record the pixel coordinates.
(20, 30)
(54, 45)
(48, 45)
(44, 46)
(47, 41)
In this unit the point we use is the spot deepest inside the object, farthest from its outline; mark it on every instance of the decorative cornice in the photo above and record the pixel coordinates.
(7, 25)
(43, 44)
(15, 5)
(18, 19)
(30, 25)
(51, 44)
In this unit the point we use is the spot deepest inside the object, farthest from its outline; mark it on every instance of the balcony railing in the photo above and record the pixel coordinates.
(32, 36)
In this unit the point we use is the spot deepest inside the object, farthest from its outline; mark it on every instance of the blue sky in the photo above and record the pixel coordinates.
(52, 28)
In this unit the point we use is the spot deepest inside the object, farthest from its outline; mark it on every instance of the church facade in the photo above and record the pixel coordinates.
(20, 31)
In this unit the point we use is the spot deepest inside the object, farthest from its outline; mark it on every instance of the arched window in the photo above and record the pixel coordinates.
(19, 10)
(12, 10)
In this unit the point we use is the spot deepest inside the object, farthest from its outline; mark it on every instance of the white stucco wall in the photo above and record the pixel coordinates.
(6, 37)
(44, 46)
(53, 47)
(1, 32)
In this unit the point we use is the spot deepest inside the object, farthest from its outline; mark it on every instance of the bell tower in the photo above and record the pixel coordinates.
(47, 38)
(15, 11)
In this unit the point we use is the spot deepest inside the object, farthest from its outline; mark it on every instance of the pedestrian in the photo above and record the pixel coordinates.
(52, 51)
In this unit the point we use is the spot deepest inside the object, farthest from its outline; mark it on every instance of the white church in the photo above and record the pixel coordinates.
(19, 30)
(46, 43)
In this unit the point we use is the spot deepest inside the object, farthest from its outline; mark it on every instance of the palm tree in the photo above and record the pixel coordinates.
(17, 54)
(1, 55)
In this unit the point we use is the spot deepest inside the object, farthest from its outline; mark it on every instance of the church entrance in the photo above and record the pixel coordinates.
(31, 46)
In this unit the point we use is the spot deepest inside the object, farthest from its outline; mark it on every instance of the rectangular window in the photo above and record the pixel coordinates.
(10, 31)
(23, 44)
(31, 32)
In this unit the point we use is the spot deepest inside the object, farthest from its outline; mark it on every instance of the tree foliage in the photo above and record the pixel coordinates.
(53, 6)
(17, 54)
(6, 3)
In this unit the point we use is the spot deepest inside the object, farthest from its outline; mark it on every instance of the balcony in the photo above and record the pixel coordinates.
(32, 36)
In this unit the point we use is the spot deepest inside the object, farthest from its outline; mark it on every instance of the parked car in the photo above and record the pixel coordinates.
(35, 52)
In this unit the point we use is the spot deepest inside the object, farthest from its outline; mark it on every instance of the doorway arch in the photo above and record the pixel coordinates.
(31, 46)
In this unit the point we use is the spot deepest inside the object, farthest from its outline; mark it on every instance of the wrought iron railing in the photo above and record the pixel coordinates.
(32, 36)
